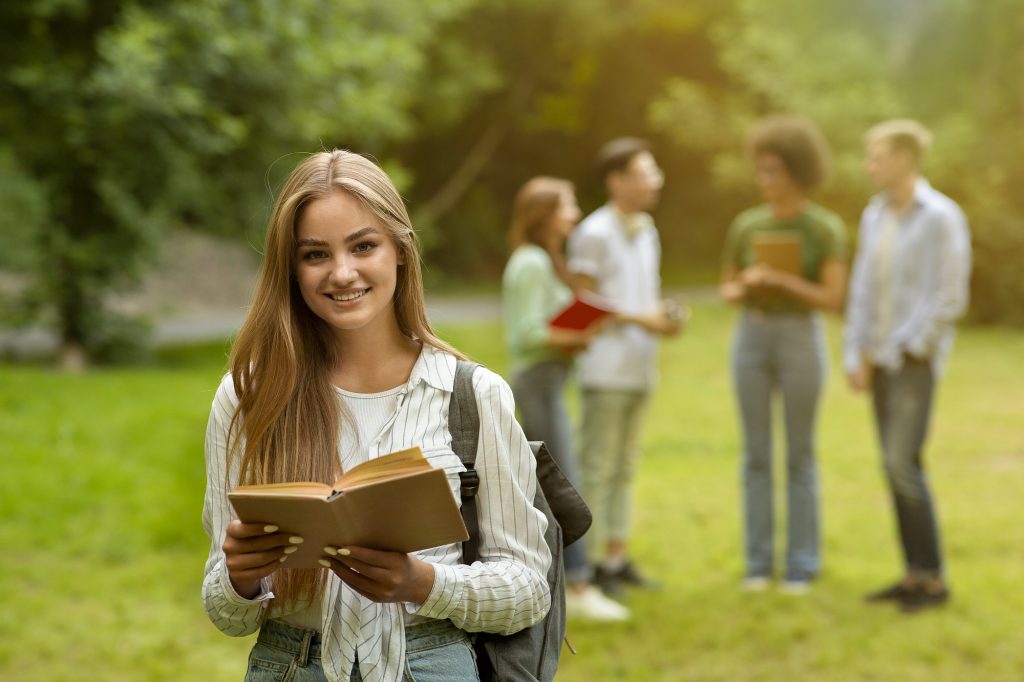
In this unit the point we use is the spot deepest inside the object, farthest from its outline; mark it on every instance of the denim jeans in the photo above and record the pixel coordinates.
(436, 651)
(782, 354)
(540, 398)
(902, 402)
(609, 449)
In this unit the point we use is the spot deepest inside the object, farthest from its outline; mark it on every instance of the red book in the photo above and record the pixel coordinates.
(584, 311)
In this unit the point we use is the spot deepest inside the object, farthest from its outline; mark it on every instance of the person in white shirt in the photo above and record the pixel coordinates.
(337, 361)
(909, 285)
(615, 252)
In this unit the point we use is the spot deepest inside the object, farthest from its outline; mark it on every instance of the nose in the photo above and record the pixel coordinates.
(343, 270)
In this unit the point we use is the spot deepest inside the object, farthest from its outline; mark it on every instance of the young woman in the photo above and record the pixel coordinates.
(780, 343)
(535, 287)
(336, 364)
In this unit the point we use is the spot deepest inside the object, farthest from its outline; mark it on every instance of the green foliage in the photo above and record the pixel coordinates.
(130, 117)
(103, 555)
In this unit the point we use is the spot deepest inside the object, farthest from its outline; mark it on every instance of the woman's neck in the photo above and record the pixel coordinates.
(788, 206)
(374, 362)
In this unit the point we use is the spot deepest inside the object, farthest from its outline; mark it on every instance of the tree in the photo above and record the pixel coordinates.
(130, 116)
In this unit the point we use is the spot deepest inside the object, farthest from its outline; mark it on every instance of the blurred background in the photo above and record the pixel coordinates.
(122, 122)
(142, 142)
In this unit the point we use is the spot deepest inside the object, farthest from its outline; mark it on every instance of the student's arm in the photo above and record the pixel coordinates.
(826, 296)
(526, 295)
(506, 589)
(857, 330)
(732, 288)
(947, 301)
(231, 612)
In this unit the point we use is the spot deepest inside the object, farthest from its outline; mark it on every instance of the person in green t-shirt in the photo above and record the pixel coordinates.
(780, 345)
(535, 287)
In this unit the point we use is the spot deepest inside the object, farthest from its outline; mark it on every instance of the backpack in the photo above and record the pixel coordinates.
(530, 655)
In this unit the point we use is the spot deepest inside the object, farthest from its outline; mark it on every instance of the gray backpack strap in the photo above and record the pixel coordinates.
(464, 425)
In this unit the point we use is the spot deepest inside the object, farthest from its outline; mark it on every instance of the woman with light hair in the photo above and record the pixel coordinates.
(335, 365)
(535, 287)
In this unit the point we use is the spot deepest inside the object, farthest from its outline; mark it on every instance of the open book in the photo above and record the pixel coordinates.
(585, 310)
(396, 502)
(779, 250)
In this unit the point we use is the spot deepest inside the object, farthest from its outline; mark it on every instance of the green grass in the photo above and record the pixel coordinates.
(102, 483)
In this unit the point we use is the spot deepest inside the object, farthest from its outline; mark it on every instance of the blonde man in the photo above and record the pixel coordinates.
(909, 285)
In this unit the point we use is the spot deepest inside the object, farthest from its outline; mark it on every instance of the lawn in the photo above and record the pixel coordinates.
(102, 483)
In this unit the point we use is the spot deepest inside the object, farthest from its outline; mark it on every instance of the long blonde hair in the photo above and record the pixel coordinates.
(287, 422)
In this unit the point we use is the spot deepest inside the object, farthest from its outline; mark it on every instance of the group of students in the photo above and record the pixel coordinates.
(337, 363)
(908, 286)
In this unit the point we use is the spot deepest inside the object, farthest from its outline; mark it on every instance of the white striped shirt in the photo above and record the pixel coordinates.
(504, 591)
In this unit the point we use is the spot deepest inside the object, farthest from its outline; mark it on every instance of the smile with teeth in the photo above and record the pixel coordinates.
(351, 296)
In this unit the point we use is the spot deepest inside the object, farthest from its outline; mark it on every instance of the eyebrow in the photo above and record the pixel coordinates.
(355, 236)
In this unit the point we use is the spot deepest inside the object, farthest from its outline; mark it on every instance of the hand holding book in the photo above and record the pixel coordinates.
(396, 502)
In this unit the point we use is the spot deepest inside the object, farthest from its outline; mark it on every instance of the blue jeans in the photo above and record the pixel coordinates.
(781, 354)
(902, 402)
(436, 651)
(540, 398)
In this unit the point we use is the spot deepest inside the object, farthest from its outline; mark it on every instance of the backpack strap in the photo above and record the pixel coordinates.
(464, 425)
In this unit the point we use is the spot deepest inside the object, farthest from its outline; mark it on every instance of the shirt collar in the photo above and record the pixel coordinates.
(434, 367)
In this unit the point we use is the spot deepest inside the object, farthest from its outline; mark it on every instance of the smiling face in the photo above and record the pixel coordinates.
(346, 265)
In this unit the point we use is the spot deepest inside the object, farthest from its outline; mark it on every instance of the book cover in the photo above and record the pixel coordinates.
(396, 502)
(779, 250)
(585, 310)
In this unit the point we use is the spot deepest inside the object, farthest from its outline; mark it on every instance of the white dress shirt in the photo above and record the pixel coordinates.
(910, 281)
(622, 254)
(505, 591)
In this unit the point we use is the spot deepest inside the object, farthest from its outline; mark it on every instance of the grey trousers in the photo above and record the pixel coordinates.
(902, 402)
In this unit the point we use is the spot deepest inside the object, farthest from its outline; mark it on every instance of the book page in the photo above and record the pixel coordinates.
(396, 464)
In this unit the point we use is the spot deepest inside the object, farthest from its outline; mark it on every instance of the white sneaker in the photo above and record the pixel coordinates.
(795, 587)
(756, 583)
(591, 604)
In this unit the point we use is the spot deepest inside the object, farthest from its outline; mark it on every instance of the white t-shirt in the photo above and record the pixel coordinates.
(627, 271)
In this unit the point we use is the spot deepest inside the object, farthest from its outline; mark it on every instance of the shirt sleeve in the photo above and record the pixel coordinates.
(588, 254)
(230, 613)
(836, 244)
(730, 251)
(949, 296)
(527, 290)
(506, 589)
(857, 332)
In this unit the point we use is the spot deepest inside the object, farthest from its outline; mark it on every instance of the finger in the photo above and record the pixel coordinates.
(367, 560)
(261, 543)
(239, 529)
(360, 583)
(248, 567)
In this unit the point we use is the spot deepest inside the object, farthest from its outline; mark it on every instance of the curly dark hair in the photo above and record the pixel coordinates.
(797, 142)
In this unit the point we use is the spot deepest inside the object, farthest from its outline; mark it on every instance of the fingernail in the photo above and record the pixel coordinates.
(344, 552)
(295, 540)
(333, 551)
(291, 550)
(324, 562)
(269, 529)
(281, 560)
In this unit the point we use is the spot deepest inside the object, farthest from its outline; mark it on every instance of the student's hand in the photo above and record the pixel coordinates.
(858, 380)
(253, 551)
(381, 576)
(758, 276)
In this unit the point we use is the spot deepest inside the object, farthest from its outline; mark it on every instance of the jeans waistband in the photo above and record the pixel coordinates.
(305, 644)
